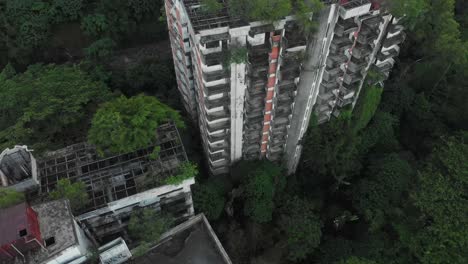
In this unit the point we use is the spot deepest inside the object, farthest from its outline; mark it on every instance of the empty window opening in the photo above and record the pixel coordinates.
(49, 241)
(23, 232)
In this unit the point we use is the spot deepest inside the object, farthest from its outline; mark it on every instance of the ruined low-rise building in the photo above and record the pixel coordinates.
(191, 242)
(18, 169)
(41, 233)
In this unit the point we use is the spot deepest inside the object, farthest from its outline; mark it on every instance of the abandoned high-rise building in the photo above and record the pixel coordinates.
(260, 107)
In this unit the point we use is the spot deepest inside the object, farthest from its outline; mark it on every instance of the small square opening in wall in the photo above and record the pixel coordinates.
(49, 241)
(23, 232)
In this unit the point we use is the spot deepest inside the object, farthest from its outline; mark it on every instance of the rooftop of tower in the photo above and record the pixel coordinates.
(224, 16)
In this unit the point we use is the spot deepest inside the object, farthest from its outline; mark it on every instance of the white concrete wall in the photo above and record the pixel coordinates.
(238, 87)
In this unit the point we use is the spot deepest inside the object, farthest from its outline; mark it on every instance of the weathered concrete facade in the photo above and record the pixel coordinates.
(259, 104)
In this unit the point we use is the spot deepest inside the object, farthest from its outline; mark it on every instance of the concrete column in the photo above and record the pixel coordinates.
(238, 87)
(308, 87)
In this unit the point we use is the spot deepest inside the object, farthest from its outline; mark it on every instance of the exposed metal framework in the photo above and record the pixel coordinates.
(112, 178)
(203, 20)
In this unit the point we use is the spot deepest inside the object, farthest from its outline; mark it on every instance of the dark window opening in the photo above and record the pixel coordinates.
(49, 241)
(23, 232)
(212, 44)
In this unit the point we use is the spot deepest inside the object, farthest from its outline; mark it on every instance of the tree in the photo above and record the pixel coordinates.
(185, 171)
(379, 195)
(25, 27)
(211, 6)
(365, 109)
(209, 199)
(147, 225)
(66, 10)
(259, 190)
(128, 124)
(47, 106)
(356, 260)
(101, 49)
(94, 25)
(10, 197)
(263, 10)
(440, 196)
(74, 192)
(303, 10)
(302, 226)
(410, 10)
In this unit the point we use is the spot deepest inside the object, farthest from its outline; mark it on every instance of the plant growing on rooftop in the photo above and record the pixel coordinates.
(235, 55)
(74, 192)
(303, 11)
(147, 225)
(211, 6)
(185, 171)
(128, 124)
(9, 197)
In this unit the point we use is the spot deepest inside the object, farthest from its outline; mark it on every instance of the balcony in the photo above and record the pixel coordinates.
(217, 137)
(336, 60)
(367, 36)
(223, 114)
(286, 86)
(324, 99)
(396, 40)
(344, 27)
(218, 126)
(346, 93)
(217, 89)
(361, 51)
(354, 8)
(340, 44)
(332, 74)
(356, 65)
(283, 111)
(221, 102)
(341, 102)
(294, 36)
(352, 78)
(214, 76)
(211, 59)
(373, 22)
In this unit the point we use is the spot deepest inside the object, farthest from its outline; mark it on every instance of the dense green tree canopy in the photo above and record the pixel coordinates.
(259, 187)
(127, 124)
(441, 198)
(209, 199)
(302, 226)
(381, 193)
(47, 106)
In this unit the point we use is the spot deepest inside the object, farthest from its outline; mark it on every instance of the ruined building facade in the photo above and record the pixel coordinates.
(253, 86)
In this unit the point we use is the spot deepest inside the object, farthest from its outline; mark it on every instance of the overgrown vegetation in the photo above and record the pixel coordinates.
(10, 197)
(47, 106)
(128, 124)
(147, 225)
(28, 32)
(74, 192)
(211, 6)
(273, 10)
(185, 171)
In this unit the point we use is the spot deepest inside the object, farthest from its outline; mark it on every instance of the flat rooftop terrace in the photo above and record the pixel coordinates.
(192, 242)
(116, 177)
(201, 20)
